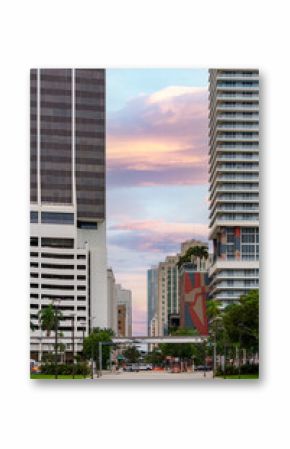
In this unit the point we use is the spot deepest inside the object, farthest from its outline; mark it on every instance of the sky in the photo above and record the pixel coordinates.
(157, 190)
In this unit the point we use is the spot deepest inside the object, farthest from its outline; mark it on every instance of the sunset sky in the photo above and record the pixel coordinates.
(156, 171)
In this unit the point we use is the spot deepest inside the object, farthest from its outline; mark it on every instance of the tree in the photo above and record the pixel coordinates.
(241, 321)
(155, 357)
(48, 317)
(181, 350)
(194, 251)
(91, 344)
(132, 354)
(212, 310)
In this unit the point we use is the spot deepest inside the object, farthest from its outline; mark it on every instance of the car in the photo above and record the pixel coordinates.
(145, 367)
(203, 368)
(131, 367)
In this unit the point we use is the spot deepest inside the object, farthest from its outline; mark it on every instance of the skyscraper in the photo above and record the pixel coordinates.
(67, 202)
(168, 302)
(234, 181)
(124, 311)
(152, 298)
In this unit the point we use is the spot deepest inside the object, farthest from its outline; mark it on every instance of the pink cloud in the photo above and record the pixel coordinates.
(159, 139)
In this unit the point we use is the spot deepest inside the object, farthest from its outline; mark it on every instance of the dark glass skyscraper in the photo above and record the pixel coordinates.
(67, 195)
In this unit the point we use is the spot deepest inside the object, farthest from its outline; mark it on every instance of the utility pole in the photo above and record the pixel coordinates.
(56, 343)
(100, 358)
(73, 344)
(214, 355)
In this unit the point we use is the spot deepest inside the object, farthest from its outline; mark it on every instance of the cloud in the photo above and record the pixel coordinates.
(155, 235)
(159, 139)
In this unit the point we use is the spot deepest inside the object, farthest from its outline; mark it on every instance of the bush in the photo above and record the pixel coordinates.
(63, 369)
(234, 370)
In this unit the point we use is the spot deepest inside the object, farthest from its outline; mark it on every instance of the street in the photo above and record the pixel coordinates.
(155, 375)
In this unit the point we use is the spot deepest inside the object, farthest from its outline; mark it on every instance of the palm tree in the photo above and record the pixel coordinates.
(48, 317)
(212, 310)
(196, 251)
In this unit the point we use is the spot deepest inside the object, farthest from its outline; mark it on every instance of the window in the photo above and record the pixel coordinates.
(57, 243)
(33, 217)
(34, 264)
(230, 246)
(57, 256)
(250, 243)
(57, 218)
(87, 225)
(63, 267)
(33, 241)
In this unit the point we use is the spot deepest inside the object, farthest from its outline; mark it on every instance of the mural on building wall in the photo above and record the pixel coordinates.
(194, 290)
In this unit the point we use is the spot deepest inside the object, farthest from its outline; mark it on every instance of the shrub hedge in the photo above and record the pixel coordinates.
(244, 369)
(63, 369)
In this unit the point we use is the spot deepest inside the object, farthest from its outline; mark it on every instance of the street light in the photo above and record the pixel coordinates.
(72, 317)
(57, 300)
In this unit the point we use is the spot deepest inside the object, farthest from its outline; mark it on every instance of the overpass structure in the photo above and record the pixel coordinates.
(156, 340)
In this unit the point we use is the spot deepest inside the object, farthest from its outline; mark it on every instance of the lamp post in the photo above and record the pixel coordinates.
(92, 346)
(83, 323)
(40, 337)
(72, 317)
(56, 332)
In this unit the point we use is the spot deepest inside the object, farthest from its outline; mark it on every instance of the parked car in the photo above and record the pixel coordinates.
(145, 366)
(131, 367)
(203, 368)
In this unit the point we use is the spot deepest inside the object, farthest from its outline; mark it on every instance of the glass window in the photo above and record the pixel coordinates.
(33, 217)
(57, 218)
(87, 225)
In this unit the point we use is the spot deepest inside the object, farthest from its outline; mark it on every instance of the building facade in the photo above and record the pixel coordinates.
(167, 292)
(124, 312)
(152, 298)
(112, 301)
(234, 182)
(67, 203)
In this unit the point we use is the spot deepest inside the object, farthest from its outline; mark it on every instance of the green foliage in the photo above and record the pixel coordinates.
(91, 344)
(49, 317)
(241, 321)
(212, 310)
(63, 369)
(244, 369)
(155, 357)
(182, 350)
(132, 354)
(196, 251)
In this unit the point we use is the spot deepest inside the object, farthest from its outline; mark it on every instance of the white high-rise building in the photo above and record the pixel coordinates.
(68, 262)
(234, 182)
(112, 301)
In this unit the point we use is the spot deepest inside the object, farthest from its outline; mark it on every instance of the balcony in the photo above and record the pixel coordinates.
(232, 264)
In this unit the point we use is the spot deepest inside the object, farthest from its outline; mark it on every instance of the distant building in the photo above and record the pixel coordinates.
(193, 289)
(152, 297)
(124, 311)
(167, 292)
(112, 301)
(190, 244)
(193, 293)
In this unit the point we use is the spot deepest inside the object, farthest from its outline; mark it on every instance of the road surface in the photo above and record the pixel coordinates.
(155, 375)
